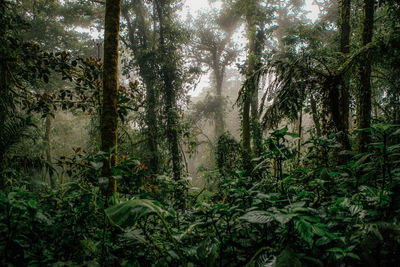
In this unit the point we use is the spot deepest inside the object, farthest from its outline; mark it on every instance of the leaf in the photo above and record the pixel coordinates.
(305, 230)
(287, 258)
(352, 255)
(257, 216)
(284, 218)
(97, 165)
(128, 213)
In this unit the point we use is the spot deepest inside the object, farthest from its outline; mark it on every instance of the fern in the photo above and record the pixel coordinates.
(14, 131)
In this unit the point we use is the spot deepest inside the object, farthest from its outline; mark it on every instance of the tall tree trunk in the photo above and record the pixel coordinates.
(344, 96)
(152, 124)
(48, 149)
(4, 83)
(168, 69)
(364, 71)
(249, 90)
(147, 68)
(256, 129)
(315, 116)
(219, 112)
(299, 132)
(110, 89)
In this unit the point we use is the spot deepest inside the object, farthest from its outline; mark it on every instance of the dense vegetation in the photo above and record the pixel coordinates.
(97, 146)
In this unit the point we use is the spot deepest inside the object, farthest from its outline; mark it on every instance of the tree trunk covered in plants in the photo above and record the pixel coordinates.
(168, 71)
(364, 72)
(145, 59)
(344, 96)
(249, 10)
(256, 129)
(110, 89)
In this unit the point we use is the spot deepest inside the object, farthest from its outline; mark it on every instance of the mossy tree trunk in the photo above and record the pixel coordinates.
(142, 46)
(364, 72)
(168, 73)
(250, 124)
(342, 124)
(110, 89)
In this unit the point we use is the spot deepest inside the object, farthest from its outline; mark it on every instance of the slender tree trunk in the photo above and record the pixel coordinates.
(344, 26)
(147, 68)
(4, 83)
(249, 91)
(110, 89)
(364, 71)
(152, 124)
(315, 116)
(48, 149)
(344, 96)
(300, 131)
(168, 69)
(219, 112)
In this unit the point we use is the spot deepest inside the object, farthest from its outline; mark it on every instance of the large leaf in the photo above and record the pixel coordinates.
(257, 216)
(128, 213)
(305, 230)
(288, 258)
(284, 218)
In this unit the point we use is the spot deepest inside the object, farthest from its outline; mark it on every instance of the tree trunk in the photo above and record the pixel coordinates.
(152, 124)
(147, 68)
(364, 71)
(315, 116)
(344, 96)
(4, 83)
(48, 149)
(219, 112)
(168, 69)
(110, 89)
(300, 131)
(249, 90)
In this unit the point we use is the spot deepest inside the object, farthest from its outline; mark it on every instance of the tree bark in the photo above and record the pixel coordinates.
(168, 69)
(364, 71)
(315, 116)
(344, 96)
(4, 83)
(145, 60)
(248, 97)
(48, 149)
(219, 112)
(110, 90)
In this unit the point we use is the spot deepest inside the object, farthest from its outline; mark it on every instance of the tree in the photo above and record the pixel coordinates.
(364, 72)
(52, 26)
(257, 17)
(168, 60)
(213, 47)
(109, 115)
(342, 123)
(141, 40)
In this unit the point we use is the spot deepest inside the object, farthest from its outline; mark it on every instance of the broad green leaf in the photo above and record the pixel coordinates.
(305, 230)
(257, 216)
(128, 213)
(284, 218)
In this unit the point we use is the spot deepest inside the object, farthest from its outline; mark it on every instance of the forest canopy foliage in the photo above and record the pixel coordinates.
(291, 156)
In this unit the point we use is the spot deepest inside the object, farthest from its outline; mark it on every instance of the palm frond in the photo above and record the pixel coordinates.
(14, 130)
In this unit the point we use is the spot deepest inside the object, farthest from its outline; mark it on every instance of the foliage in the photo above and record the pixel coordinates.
(316, 205)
